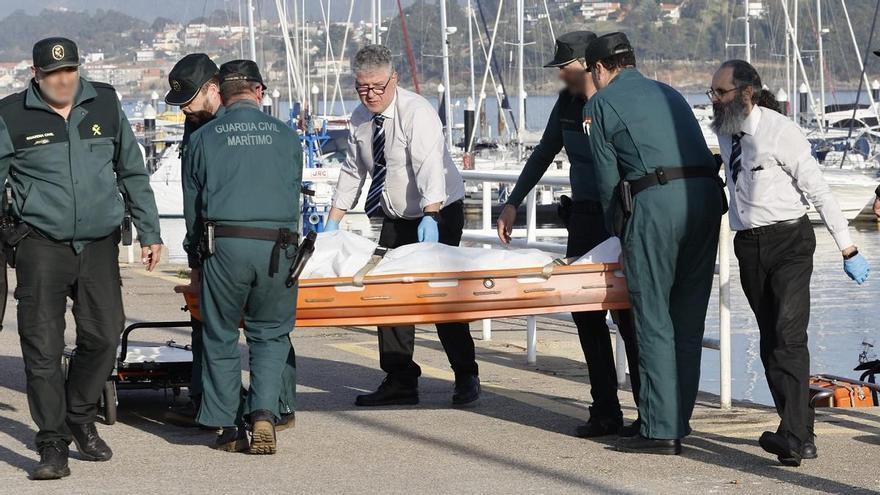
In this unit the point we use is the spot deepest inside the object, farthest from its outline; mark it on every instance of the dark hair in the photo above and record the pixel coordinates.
(621, 60)
(215, 80)
(745, 75)
(230, 89)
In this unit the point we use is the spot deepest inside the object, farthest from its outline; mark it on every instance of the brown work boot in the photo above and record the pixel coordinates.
(285, 421)
(262, 433)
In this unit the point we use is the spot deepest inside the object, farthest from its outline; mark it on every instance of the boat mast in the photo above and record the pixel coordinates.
(253, 36)
(748, 42)
(446, 90)
(470, 13)
(859, 58)
(520, 35)
(795, 95)
(822, 122)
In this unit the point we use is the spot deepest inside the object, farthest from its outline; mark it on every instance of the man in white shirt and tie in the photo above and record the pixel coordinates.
(771, 174)
(397, 139)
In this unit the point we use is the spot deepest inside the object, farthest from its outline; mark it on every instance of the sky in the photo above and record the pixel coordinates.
(182, 10)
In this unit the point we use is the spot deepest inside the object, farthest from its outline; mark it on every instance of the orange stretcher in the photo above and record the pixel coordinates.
(447, 297)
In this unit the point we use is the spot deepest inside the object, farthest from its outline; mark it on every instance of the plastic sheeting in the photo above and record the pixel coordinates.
(343, 254)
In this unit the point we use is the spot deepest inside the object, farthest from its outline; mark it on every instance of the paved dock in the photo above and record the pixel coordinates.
(516, 439)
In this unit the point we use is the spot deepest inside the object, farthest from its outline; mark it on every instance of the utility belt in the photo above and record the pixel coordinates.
(627, 190)
(567, 207)
(282, 238)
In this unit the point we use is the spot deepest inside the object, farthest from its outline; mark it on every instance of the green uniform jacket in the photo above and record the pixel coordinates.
(244, 168)
(66, 176)
(636, 126)
(564, 129)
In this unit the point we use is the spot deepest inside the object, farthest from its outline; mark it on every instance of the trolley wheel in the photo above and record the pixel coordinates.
(109, 402)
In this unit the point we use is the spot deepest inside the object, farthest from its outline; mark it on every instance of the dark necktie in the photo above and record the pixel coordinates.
(736, 156)
(375, 193)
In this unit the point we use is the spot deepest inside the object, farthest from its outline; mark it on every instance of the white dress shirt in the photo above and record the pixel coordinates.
(777, 177)
(418, 168)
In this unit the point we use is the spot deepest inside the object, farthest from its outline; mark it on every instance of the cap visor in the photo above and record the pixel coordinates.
(179, 98)
(558, 63)
(877, 52)
(58, 65)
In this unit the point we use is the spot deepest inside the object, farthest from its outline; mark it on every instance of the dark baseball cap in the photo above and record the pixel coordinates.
(570, 47)
(55, 53)
(241, 70)
(188, 76)
(606, 46)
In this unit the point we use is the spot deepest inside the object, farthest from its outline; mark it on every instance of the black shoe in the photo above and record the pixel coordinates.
(808, 449)
(184, 415)
(262, 425)
(641, 445)
(783, 447)
(53, 462)
(598, 427)
(286, 421)
(632, 429)
(467, 390)
(391, 392)
(231, 439)
(88, 443)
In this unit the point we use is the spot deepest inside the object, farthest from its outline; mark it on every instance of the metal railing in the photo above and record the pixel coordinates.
(528, 238)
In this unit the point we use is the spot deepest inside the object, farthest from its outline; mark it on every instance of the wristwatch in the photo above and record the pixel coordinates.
(852, 254)
(435, 215)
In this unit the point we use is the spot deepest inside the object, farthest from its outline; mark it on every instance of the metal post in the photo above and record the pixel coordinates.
(823, 124)
(487, 226)
(520, 40)
(253, 34)
(724, 312)
(620, 357)
(531, 340)
(447, 90)
(531, 215)
(748, 34)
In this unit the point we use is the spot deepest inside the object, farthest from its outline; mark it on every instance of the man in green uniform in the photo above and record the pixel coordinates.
(241, 203)
(195, 88)
(582, 215)
(68, 151)
(644, 138)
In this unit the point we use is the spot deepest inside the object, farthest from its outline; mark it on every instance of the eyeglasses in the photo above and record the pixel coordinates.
(714, 94)
(364, 89)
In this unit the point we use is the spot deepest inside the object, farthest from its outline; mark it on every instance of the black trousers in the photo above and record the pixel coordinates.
(775, 267)
(586, 230)
(48, 273)
(396, 344)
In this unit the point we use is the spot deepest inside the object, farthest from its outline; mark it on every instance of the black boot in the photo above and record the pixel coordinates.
(808, 449)
(262, 423)
(88, 443)
(231, 439)
(392, 392)
(53, 462)
(184, 415)
(467, 389)
(632, 429)
(598, 427)
(285, 421)
(785, 447)
(641, 445)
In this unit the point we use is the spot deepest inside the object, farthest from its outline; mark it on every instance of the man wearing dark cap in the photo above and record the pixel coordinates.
(241, 204)
(660, 190)
(582, 215)
(195, 88)
(68, 151)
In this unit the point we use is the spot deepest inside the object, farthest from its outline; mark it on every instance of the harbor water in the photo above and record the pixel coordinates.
(843, 314)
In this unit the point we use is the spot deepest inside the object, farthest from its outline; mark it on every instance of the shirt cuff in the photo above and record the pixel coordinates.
(843, 239)
(148, 239)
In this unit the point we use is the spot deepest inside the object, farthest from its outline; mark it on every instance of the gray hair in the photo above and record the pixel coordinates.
(372, 57)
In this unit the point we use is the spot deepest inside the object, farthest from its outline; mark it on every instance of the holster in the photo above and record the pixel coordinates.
(623, 211)
(303, 253)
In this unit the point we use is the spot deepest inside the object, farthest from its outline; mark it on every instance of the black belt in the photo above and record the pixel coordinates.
(774, 227)
(283, 238)
(664, 175)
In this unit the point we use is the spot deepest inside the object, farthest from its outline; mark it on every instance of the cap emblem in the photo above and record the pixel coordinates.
(57, 52)
(175, 85)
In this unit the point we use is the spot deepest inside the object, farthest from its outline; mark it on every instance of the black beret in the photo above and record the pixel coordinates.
(188, 76)
(241, 70)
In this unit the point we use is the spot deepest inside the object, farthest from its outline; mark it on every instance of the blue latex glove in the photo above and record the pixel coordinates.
(428, 231)
(857, 268)
(331, 226)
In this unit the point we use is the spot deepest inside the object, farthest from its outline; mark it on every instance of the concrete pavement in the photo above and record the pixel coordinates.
(516, 439)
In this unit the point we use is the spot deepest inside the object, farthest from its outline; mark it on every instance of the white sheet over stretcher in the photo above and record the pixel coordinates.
(342, 254)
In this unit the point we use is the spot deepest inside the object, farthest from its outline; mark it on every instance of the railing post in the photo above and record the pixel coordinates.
(531, 340)
(487, 226)
(531, 214)
(724, 312)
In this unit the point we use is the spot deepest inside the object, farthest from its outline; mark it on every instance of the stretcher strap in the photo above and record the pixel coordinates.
(378, 254)
(547, 269)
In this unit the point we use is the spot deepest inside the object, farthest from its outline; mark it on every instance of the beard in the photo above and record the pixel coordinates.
(729, 117)
(199, 117)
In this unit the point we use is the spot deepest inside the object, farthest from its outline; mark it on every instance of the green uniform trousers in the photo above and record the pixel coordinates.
(670, 243)
(236, 283)
(287, 400)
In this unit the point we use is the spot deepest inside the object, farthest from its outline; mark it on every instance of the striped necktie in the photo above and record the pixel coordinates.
(736, 156)
(375, 193)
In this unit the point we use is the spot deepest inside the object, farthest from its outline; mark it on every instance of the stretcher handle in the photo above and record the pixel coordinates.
(378, 254)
